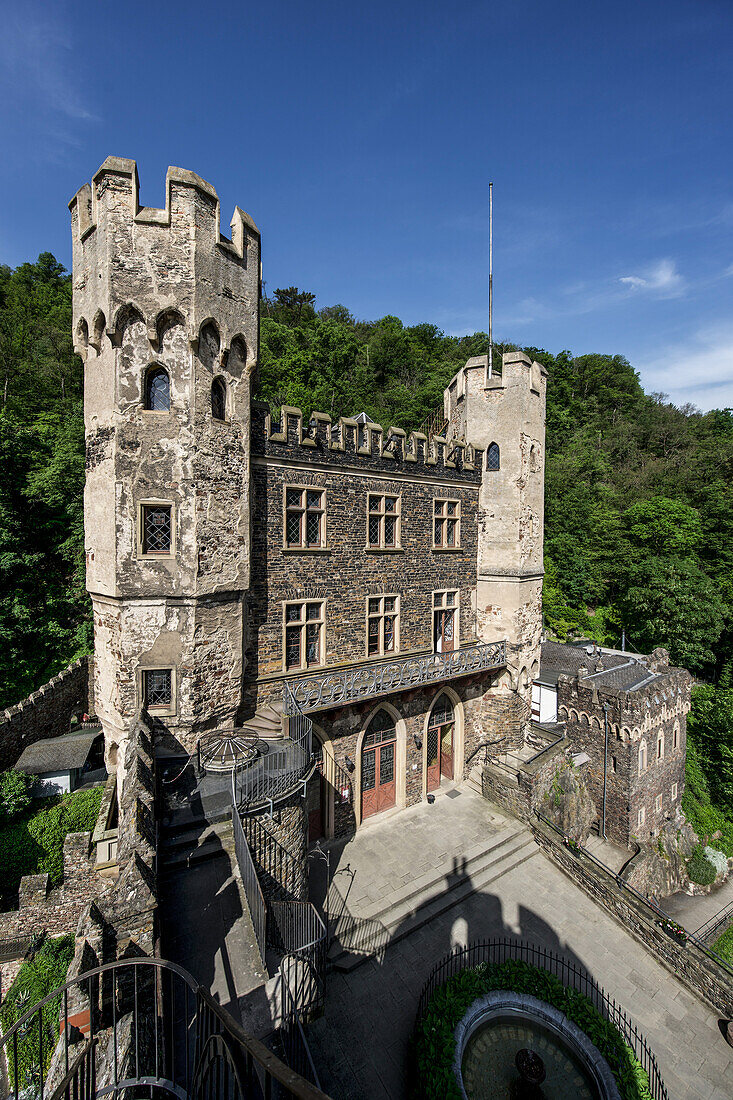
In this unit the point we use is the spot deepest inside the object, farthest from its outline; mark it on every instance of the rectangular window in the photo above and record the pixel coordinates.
(304, 625)
(156, 530)
(383, 522)
(383, 624)
(305, 518)
(642, 816)
(446, 524)
(445, 621)
(674, 792)
(614, 764)
(158, 689)
(658, 803)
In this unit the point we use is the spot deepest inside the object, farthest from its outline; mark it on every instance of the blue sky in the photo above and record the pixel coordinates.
(361, 138)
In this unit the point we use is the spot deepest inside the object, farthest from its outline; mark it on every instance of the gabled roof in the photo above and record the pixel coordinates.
(620, 672)
(57, 754)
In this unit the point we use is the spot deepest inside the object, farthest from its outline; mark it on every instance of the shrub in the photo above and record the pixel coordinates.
(15, 793)
(36, 978)
(700, 869)
(34, 842)
(433, 1042)
(718, 859)
(723, 946)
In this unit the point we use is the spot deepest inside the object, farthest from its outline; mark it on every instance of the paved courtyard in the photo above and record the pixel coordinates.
(360, 1044)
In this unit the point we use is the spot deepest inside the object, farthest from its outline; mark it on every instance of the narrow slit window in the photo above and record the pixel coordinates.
(219, 399)
(157, 390)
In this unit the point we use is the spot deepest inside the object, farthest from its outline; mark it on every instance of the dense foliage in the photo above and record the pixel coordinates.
(15, 794)
(34, 841)
(434, 1039)
(37, 977)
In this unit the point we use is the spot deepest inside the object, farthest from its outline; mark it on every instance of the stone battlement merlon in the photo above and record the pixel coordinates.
(369, 441)
(157, 262)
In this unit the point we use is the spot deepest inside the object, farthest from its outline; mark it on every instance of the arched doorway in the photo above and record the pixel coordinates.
(378, 765)
(440, 742)
(320, 789)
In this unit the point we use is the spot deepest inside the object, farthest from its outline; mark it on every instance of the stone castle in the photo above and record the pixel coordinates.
(248, 569)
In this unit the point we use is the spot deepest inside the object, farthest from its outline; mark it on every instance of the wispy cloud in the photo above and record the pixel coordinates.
(698, 369)
(662, 279)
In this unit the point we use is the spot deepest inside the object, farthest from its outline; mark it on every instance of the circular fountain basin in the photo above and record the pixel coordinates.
(500, 1024)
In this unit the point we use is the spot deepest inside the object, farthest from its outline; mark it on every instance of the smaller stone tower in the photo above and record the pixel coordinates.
(504, 415)
(166, 319)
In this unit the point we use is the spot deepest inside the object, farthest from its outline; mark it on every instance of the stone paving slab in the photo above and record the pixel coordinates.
(360, 1045)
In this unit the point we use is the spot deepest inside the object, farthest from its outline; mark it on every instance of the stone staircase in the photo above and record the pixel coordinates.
(183, 846)
(359, 936)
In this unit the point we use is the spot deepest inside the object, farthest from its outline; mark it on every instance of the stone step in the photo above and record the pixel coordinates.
(475, 780)
(191, 846)
(406, 917)
(503, 773)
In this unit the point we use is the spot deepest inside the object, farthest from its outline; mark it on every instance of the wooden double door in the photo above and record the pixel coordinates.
(378, 766)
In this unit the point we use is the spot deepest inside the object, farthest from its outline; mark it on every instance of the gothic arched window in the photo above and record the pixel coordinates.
(642, 757)
(492, 457)
(157, 390)
(219, 399)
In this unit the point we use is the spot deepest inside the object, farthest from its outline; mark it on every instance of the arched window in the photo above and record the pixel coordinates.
(157, 390)
(660, 745)
(219, 399)
(492, 457)
(642, 757)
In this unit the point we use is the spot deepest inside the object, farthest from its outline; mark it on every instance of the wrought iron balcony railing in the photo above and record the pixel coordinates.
(369, 681)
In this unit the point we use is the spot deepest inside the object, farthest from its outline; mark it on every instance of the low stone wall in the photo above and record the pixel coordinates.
(534, 779)
(687, 962)
(45, 713)
(55, 911)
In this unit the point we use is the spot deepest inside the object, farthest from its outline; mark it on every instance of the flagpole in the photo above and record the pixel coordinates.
(491, 278)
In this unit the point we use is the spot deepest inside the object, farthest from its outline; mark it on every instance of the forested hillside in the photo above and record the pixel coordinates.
(639, 515)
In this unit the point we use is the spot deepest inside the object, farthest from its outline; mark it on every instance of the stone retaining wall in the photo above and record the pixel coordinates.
(47, 712)
(687, 962)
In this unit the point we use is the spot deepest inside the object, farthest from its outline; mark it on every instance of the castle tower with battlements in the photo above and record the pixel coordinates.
(166, 320)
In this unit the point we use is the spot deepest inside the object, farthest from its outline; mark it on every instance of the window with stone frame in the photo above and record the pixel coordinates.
(156, 530)
(219, 399)
(383, 625)
(158, 689)
(493, 462)
(674, 792)
(305, 518)
(445, 621)
(446, 524)
(383, 522)
(642, 757)
(304, 627)
(676, 736)
(641, 817)
(658, 804)
(660, 745)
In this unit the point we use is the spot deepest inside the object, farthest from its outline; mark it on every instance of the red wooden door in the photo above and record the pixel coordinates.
(378, 783)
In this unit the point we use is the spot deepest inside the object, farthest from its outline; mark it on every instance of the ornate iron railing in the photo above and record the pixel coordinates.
(279, 768)
(367, 681)
(144, 1022)
(569, 973)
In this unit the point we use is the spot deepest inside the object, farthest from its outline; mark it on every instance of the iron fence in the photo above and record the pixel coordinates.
(295, 1047)
(573, 976)
(282, 873)
(295, 930)
(715, 926)
(367, 681)
(278, 768)
(141, 1022)
(252, 889)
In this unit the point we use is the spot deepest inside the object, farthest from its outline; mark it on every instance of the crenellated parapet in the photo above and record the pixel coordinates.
(346, 439)
(161, 263)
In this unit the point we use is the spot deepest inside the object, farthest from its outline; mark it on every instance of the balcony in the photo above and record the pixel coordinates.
(369, 681)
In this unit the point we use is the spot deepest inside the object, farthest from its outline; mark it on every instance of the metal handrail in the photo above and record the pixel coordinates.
(690, 937)
(276, 772)
(572, 976)
(369, 680)
(139, 975)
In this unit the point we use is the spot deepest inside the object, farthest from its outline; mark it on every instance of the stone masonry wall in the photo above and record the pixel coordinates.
(685, 961)
(45, 713)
